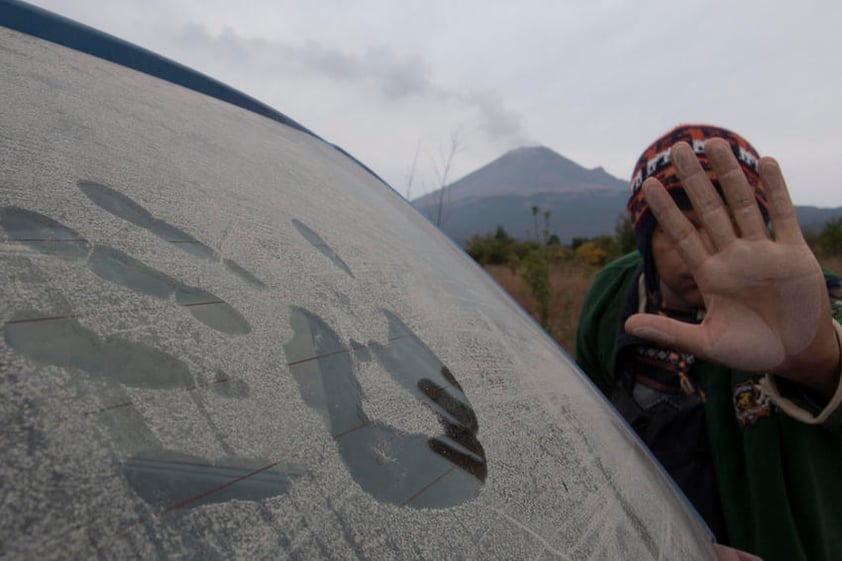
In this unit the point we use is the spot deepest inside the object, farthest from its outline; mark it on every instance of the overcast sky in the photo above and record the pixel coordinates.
(594, 80)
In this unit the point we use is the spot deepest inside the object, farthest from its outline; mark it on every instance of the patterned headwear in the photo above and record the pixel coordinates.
(655, 162)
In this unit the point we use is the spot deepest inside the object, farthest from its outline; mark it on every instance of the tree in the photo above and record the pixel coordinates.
(412, 172)
(447, 162)
(829, 240)
(537, 276)
(535, 220)
(576, 242)
(497, 249)
(592, 254)
(546, 227)
(624, 234)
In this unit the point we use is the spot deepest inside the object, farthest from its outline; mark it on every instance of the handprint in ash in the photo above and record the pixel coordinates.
(392, 465)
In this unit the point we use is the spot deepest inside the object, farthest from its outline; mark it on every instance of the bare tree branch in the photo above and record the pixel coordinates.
(455, 147)
(412, 171)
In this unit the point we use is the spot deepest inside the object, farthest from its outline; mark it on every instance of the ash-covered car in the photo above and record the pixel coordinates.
(224, 338)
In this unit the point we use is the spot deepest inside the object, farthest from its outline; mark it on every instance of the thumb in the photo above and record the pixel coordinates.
(668, 332)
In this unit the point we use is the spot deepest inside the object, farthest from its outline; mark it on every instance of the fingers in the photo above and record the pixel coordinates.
(681, 231)
(781, 212)
(742, 210)
(738, 192)
(668, 332)
(706, 201)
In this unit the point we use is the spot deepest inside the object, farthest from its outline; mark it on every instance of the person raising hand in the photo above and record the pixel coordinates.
(717, 342)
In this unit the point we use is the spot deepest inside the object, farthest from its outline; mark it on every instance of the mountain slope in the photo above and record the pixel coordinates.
(582, 202)
(526, 171)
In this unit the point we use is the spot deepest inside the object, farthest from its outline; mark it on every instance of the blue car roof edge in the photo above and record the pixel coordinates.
(49, 26)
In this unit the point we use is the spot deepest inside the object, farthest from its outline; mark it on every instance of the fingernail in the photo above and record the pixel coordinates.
(651, 192)
(768, 165)
(683, 158)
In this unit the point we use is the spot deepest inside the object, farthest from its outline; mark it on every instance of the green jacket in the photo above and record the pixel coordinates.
(777, 457)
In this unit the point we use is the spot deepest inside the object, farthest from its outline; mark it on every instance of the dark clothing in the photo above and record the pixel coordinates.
(762, 480)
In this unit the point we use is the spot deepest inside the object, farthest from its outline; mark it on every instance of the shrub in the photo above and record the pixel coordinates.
(829, 240)
(537, 276)
(591, 253)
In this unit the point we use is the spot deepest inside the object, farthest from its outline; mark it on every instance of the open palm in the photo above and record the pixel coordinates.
(767, 308)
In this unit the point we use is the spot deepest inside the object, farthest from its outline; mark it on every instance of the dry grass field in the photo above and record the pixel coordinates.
(569, 282)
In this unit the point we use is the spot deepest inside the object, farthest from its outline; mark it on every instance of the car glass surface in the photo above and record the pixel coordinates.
(222, 338)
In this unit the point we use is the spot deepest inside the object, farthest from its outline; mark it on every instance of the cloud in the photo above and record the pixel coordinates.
(396, 77)
(329, 62)
(227, 44)
(393, 75)
(497, 120)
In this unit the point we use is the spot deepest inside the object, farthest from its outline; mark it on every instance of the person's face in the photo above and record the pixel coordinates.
(678, 288)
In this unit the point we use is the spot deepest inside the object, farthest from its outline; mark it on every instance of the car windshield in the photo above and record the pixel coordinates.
(223, 338)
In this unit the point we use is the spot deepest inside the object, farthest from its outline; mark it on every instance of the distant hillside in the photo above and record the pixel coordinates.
(582, 202)
(813, 218)
(570, 215)
(524, 172)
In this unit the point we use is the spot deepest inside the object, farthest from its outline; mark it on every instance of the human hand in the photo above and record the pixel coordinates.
(767, 307)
